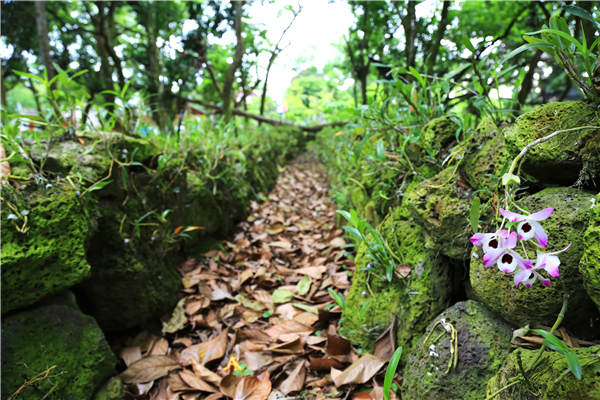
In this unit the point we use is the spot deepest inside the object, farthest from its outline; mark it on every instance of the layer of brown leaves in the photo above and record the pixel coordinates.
(260, 302)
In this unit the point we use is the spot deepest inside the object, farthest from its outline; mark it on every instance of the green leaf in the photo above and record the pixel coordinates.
(509, 178)
(574, 364)
(303, 286)
(418, 76)
(306, 308)
(561, 34)
(100, 185)
(33, 117)
(581, 13)
(467, 43)
(339, 299)
(28, 75)
(457, 71)
(553, 340)
(268, 313)
(344, 214)
(527, 46)
(282, 296)
(390, 372)
(475, 214)
(145, 215)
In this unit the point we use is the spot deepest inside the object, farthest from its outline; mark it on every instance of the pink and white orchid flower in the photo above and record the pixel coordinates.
(489, 241)
(547, 261)
(529, 226)
(505, 257)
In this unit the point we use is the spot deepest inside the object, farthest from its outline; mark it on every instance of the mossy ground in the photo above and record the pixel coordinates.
(54, 334)
(551, 368)
(540, 304)
(50, 255)
(483, 345)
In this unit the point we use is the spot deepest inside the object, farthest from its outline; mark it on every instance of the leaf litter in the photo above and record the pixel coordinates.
(255, 320)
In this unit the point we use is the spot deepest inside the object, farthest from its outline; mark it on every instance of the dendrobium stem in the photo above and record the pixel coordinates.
(559, 319)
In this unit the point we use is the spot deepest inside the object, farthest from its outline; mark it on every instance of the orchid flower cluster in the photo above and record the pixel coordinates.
(499, 248)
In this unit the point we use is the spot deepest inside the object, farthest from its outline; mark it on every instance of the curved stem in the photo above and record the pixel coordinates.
(561, 315)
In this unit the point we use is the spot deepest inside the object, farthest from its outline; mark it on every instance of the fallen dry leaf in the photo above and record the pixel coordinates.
(178, 319)
(253, 387)
(205, 352)
(148, 369)
(360, 372)
(193, 381)
(257, 360)
(131, 354)
(295, 381)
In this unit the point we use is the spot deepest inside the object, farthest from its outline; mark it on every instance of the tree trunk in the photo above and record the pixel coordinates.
(237, 61)
(155, 66)
(528, 80)
(42, 25)
(410, 31)
(441, 31)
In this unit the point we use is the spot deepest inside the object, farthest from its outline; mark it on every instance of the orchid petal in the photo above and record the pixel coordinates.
(545, 282)
(525, 235)
(521, 262)
(539, 233)
(560, 251)
(521, 276)
(511, 241)
(529, 282)
(503, 233)
(512, 217)
(551, 266)
(478, 238)
(492, 256)
(508, 262)
(541, 215)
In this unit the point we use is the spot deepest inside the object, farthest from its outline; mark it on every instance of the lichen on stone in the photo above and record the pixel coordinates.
(483, 345)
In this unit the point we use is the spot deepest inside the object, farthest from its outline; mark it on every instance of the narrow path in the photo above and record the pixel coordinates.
(256, 320)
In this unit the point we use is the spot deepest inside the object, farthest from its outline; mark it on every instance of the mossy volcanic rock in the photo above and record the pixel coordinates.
(54, 333)
(541, 304)
(50, 255)
(414, 300)
(483, 345)
(133, 266)
(487, 155)
(439, 133)
(560, 159)
(543, 378)
(590, 262)
(442, 208)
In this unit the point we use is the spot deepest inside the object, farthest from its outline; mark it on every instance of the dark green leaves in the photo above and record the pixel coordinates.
(475, 214)
(390, 372)
(554, 343)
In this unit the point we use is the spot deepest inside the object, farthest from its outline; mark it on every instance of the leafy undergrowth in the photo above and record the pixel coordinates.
(256, 319)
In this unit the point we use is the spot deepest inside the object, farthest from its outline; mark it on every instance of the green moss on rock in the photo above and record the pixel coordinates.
(50, 255)
(544, 377)
(483, 345)
(442, 208)
(487, 155)
(589, 266)
(439, 133)
(54, 333)
(111, 390)
(541, 304)
(133, 275)
(414, 300)
(561, 159)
